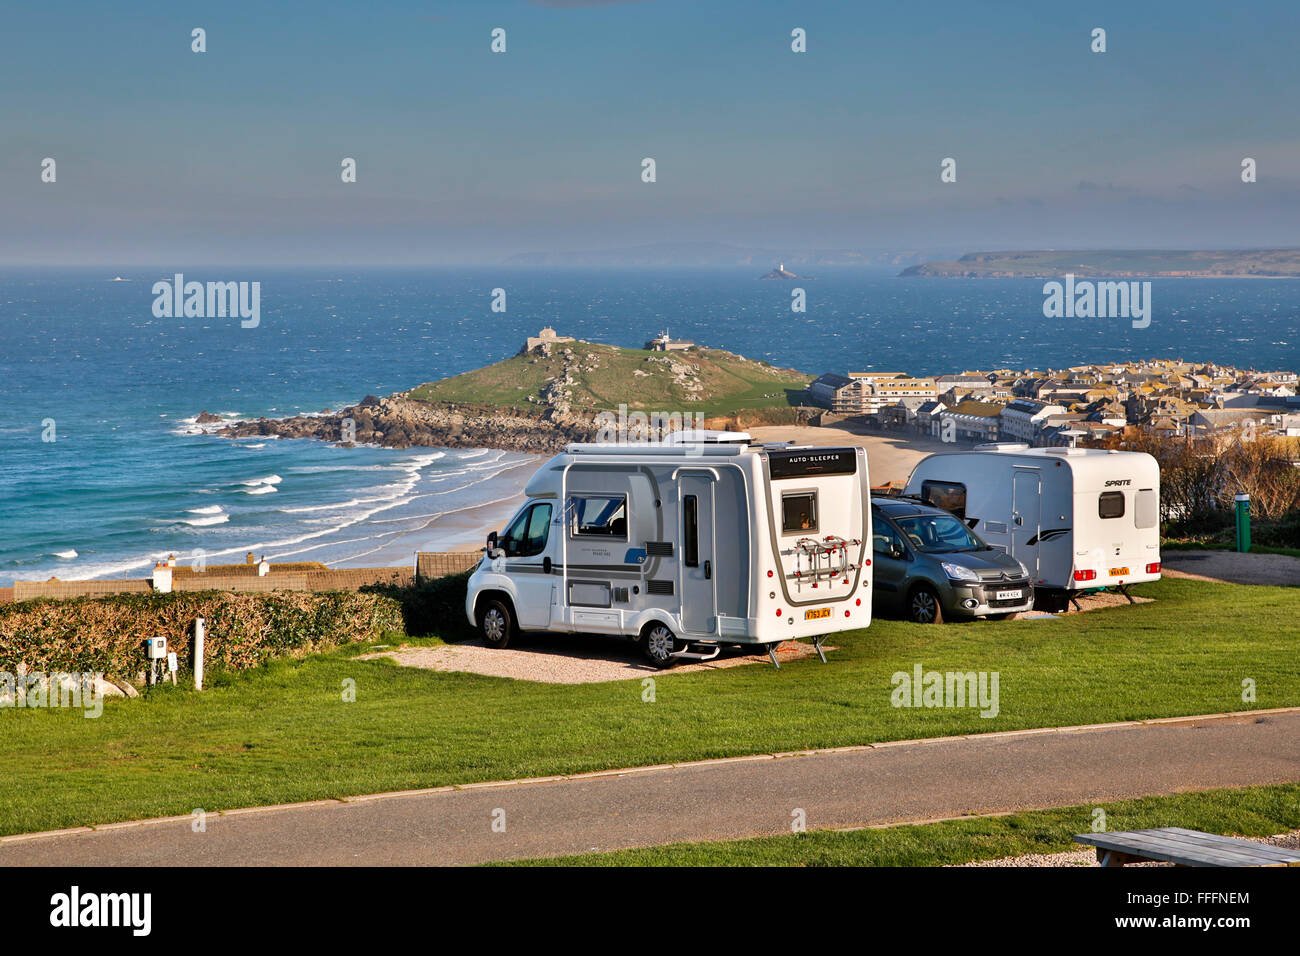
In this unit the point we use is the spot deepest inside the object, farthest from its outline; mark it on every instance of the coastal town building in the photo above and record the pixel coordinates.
(546, 336)
(1067, 406)
(663, 342)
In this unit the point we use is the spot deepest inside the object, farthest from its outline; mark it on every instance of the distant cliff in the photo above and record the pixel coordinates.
(1148, 263)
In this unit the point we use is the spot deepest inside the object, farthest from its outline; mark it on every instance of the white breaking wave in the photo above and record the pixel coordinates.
(208, 510)
(66, 555)
(260, 489)
(268, 480)
(204, 522)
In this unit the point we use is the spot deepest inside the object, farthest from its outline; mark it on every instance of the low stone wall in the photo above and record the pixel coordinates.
(431, 564)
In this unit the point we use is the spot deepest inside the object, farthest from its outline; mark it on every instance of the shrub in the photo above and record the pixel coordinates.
(432, 607)
(242, 629)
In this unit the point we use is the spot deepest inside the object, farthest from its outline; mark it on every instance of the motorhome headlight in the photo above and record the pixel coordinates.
(958, 573)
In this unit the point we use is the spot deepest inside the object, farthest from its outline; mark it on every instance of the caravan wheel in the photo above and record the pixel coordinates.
(658, 644)
(495, 623)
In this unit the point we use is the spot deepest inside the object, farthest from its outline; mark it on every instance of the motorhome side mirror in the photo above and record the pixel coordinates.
(491, 541)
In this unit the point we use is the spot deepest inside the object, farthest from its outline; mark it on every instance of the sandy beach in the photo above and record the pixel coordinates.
(890, 458)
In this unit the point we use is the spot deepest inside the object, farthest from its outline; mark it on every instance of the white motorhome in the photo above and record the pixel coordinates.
(684, 545)
(1077, 518)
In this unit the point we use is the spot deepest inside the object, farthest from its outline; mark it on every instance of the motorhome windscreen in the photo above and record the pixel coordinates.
(808, 463)
(948, 495)
(598, 516)
(799, 512)
(526, 536)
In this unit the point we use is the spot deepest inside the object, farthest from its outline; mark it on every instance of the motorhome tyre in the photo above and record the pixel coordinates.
(496, 622)
(658, 644)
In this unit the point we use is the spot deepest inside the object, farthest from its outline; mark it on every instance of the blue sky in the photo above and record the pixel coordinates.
(468, 156)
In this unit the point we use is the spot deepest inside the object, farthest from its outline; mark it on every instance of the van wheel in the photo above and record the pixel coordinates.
(923, 607)
(658, 644)
(496, 624)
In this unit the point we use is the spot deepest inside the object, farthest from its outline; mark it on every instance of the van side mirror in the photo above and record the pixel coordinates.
(896, 550)
(491, 542)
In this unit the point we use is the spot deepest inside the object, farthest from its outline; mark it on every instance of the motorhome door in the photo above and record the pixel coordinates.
(1026, 502)
(699, 601)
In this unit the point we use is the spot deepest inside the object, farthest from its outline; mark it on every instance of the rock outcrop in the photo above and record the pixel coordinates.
(402, 422)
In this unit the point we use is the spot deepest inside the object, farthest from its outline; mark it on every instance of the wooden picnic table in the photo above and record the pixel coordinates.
(1184, 848)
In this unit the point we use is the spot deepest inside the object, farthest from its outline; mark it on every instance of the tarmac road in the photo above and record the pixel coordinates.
(716, 800)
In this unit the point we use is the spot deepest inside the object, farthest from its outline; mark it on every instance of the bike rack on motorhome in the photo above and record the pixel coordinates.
(687, 544)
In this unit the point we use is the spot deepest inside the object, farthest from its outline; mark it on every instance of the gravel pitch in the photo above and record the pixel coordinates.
(573, 659)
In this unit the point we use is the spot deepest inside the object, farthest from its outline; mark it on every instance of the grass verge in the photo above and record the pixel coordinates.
(285, 732)
(1252, 811)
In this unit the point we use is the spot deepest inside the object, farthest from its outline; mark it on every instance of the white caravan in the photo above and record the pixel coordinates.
(1077, 518)
(684, 545)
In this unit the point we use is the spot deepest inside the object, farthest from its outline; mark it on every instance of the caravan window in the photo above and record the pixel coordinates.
(948, 495)
(1146, 512)
(598, 516)
(799, 512)
(1111, 504)
(526, 535)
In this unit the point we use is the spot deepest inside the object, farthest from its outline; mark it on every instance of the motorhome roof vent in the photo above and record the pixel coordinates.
(1056, 450)
(1002, 446)
(706, 436)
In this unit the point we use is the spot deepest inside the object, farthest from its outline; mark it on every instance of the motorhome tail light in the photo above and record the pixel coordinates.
(1153, 568)
(778, 612)
(769, 574)
(1084, 575)
(866, 563)
(858, 602)
(846, 613)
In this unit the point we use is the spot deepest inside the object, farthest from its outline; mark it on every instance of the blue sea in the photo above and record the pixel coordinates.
(129, 477)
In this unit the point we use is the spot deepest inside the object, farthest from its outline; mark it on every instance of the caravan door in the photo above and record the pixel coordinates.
(699, 595)
(1026, 509)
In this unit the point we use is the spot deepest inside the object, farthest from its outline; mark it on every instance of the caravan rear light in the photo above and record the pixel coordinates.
(866, 563)
(778, 612)
(1084, 575)
(769, 574)
(1153, 568)
(846, 613)
(858, 602)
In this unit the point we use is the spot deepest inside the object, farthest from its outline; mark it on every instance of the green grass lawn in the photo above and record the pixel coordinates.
(283, 732)
(1252, 811)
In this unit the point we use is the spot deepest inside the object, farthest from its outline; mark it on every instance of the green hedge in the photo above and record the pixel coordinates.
(243, 629)
(433, 607)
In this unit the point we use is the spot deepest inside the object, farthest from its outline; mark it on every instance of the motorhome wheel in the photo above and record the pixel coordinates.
(923, 607)
(658, 644)
(496, 623)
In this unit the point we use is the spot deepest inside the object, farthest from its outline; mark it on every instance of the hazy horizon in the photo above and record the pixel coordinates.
(469, 157)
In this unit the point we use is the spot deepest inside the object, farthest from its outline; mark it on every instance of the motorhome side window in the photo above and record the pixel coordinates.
(948, 495)
(1111, 504)
(526, 536)
(1146, 512)
(799, 512)
(598, 516)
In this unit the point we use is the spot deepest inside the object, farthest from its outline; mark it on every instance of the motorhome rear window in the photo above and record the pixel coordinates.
(1111, 504)
(948, 495)
(803, 464)
(598, 516)
(799, 512)
(1146, 511)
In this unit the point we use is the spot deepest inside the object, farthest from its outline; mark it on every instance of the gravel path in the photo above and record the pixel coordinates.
(1233, 568)
(571, 659)
(1087, 856)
